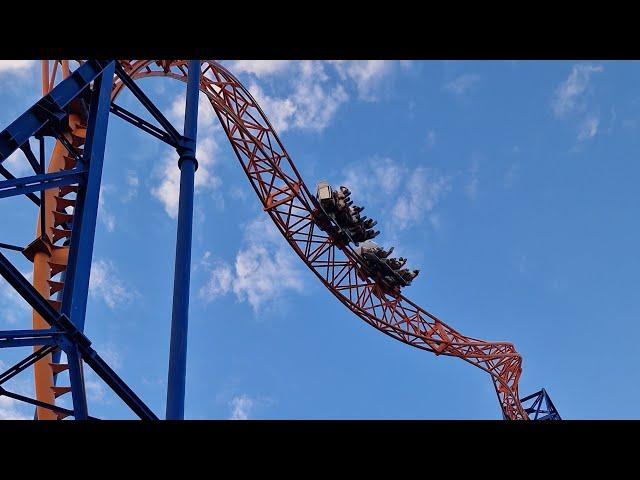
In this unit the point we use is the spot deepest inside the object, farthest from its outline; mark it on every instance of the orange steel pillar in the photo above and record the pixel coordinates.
(41, 276)
(47, 256)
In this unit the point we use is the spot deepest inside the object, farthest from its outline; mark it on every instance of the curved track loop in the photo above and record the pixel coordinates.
(287, 200)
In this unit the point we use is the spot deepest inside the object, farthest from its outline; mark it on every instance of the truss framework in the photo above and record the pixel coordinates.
(273, 176)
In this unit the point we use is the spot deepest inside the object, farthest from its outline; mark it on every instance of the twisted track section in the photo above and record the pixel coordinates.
(288, 201)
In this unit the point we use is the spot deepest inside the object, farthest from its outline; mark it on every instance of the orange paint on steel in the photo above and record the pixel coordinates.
(45, 76)
(271, 172)
(52, 260)
(43, 373)
(254, 141)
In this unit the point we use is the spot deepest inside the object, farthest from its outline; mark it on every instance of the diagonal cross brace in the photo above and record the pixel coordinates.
(72, 337)
(49, 108)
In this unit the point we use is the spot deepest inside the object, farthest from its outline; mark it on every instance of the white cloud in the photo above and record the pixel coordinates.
(570, 98)
(431, 139)
(241, 407)
(279, 110)
(462, 84)
(168, 190)
(133, 183)
(311, 104)
(313, 97)
(589, 128)
(264, 270)
(206, 116)
(405, 196)
(111, 355)
(423, 191)
(472, 187)
(95, 391)
(367, 75)
(569, 95)
(15, 310)
(18, 164)
(260, 68)
(9, 410)
(107, 218)
(376, 179)
(220, 282)
(106, 284)
(16, 67)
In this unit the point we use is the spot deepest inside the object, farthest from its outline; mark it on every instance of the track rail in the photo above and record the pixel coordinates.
(287, 200)
(50, 262)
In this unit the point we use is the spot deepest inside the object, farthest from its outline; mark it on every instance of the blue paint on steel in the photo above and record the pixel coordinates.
(8, 246)
(76, 286)
(72, 335)
(50, 108)
(25, 363)
(36, 183)
(541, 407)
(170, 130)
(27, 342)
(48, 117)
(7, 174)
(143, 125)
(76, 378)
(180, 314)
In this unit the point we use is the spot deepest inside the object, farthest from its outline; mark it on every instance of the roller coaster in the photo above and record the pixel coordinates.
(77, 100)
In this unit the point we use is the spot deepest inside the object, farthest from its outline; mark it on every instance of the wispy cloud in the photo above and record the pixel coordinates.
(472, 186)
(11, 409)
(16, 67)
(462, 84)
(133, 182)
(589, 128)
(265, 269)
(405, 195)
(168, 189)
(15, 310)
(431, 139)
(311, 104)
(105, 283)
(260, 68)
(569, 95)
(367, 75)
(308, 94)
(105, 215)
(241, 407)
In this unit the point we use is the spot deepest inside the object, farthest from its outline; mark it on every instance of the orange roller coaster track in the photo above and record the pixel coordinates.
(293, 209)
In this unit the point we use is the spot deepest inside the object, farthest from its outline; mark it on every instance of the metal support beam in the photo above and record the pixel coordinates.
(76, 378)
(142, 124)
(148, 104)
(21, 398)
(36, 183)
(26, 362)
(49, 108)
(180, 314)
(7, 174)
(76, 287)
(72, 335)
(541, 408)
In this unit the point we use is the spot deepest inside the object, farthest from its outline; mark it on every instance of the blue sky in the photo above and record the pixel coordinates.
(511, 185)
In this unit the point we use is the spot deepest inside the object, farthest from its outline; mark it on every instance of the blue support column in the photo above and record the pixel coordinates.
(180, 314)
(76, 285)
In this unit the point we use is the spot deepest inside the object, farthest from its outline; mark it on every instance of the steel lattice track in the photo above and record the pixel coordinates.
(287, 200)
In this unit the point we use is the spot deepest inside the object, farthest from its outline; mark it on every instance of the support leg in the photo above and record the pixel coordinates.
(180, 314)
